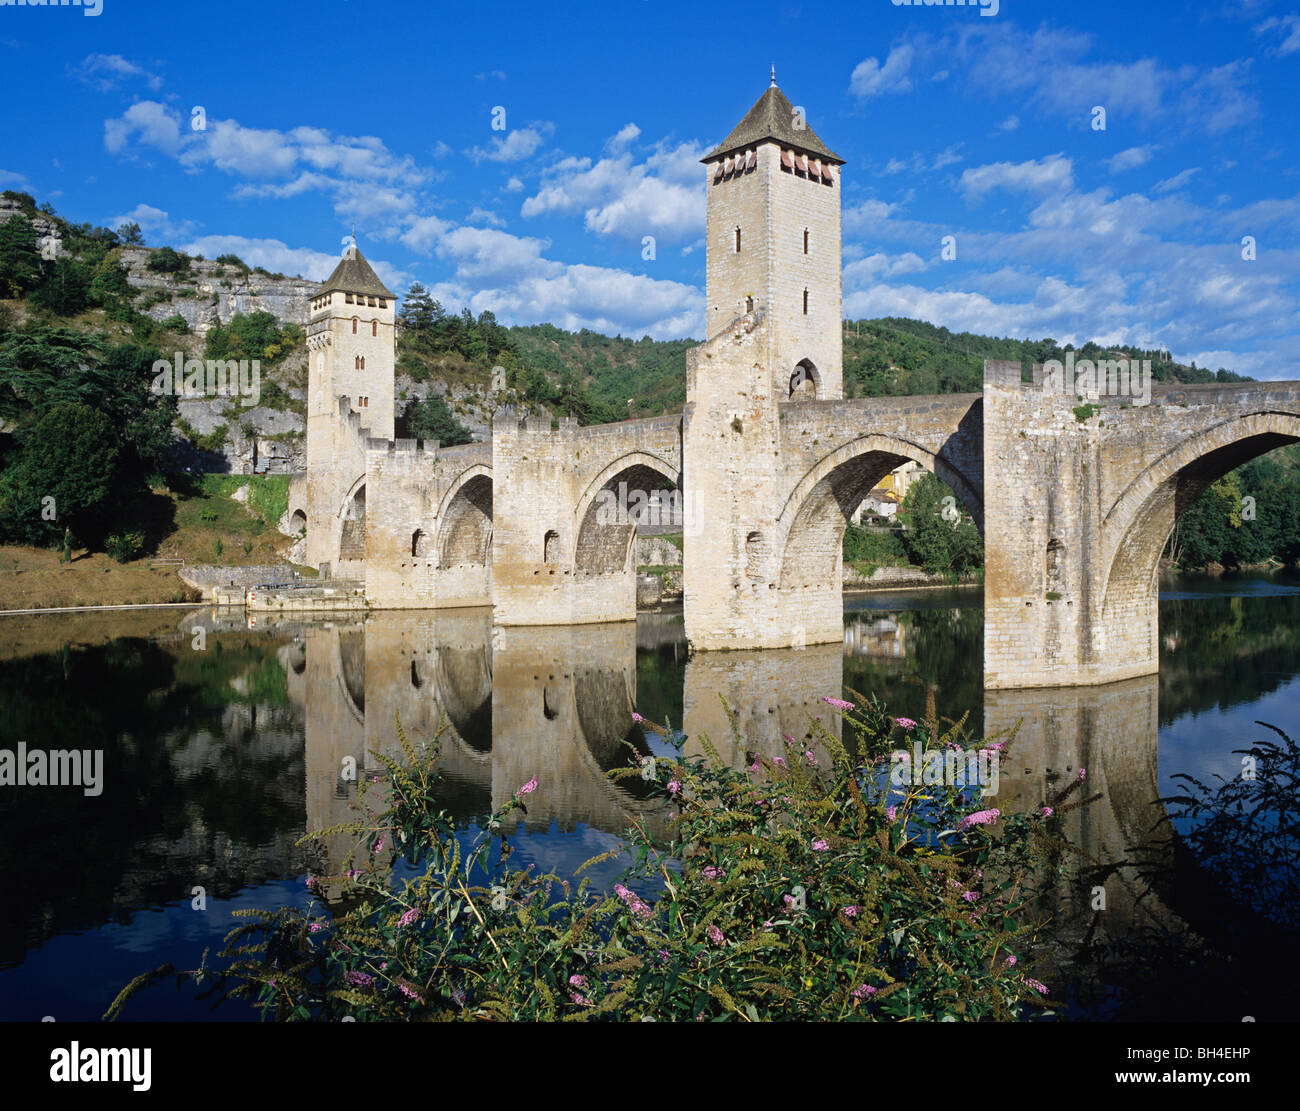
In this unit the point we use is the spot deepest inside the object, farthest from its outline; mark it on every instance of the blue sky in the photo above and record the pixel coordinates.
(952, 122)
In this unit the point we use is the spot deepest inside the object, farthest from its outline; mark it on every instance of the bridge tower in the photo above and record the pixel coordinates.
(351, 350)
(774, 335)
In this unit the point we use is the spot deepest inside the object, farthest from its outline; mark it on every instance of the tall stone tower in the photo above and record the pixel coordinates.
(351, 350)
(773, 235)
(774, 339)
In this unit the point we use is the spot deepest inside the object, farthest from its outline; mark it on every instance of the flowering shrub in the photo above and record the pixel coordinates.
(787, 891)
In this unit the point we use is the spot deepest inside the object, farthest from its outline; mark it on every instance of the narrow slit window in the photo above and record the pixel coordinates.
(737, 239)
(805, 302)
(805, 241)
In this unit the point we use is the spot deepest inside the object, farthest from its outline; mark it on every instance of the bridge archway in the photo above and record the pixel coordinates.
(1140, 522)
(465, 516)
(637, 488)
(351, 523)
(811, 525)
(805, 381)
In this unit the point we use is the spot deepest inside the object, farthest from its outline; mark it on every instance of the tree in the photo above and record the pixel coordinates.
(935, 541)
(66, 288)
(432, 419)
(131, 235)
(20, 262)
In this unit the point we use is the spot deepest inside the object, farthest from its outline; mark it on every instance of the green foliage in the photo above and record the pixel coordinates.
(794, 890)
(70, 455)
(124, 546)
(251, 336)
(236, 261)
(268, 494)
(1085, 413)
(432, 419)
(131, 235)
(65, 289)
(934, 542)
(212, 441)
(176, 323)
(873, 547)
(20, 262)
(165, 260)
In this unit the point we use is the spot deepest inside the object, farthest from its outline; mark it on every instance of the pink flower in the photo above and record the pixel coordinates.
(789, 739)
(838, 703)
(673, 786)
(779, 761)
(634, 902)
(849, 912)
(891, 812)
(998, 746)
(359, 979)
(379, 845)
(579, 1000)
(528, 788)
(637, 718)
(789, 900)
(578, 981)
(979, 818)
(311, 880)
(715, 935)
(663, 956)
(810, 758)
(315, 928)
(970, 896)
(1046, 811)
(862, 991)
(712, 873)
(407, 990)
(1040, 988)
(768, 924)
(1011, 959)
(409, 917)
(755, 766)
(906, 724)
(903, 757)
(1082, 775)
(820, 846)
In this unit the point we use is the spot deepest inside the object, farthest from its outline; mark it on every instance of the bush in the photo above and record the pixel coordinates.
(792, 890)
(165, 260)
(124, 546)
(176, 323)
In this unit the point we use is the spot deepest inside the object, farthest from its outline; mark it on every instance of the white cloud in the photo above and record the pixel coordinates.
(1288, 27)
(1173, 184)
(104, 71)
(483, 216)
(154, 222)
(870, 78)
(515, 146)
(11, 180)
(1054, 172)
(1130, 159)
(627, 199)
(279, 258)
(147, 122)
(1009, 124)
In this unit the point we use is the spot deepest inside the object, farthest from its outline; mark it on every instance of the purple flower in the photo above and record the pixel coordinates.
(637, 718)
(409, 917)
(970, 896)
(637, 905)
(311, 880)
(998, 746)
(577, 981)
(315, 928)
(862, 991)
(891, 812)
(820, 846)
(755, 766)
(673, 786)
(906, 724)
(810, 758)
(849, 911)
(712, 872)
(715, 935)
(359, 979)
(789, 739)
(353, 873)
(407, 990)
(579, 1000)
(1082, 775)
(779, 761)
(1046, 811)
(663, 955)
(1011, 959)
(768, 923)
(979, 818)
(1040, 988)
(271, 983)
(838, 703)
(379, 845)
(528, 788)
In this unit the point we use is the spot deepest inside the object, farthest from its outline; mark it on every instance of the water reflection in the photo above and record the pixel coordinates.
(217, 761)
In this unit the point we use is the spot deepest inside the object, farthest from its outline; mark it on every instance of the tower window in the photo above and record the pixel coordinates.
(749, 304)
(363, 358)
(738, 239)
(805, 241)
(382, 303)
(356, 362)
(347, 297)
(374, 324)
(805, 302)
(354, 325)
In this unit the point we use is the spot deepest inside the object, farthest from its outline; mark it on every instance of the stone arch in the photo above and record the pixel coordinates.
(351, 673)
(805, 380)
(811, 524)
(419, 544)
(1139, 523)
(297, 522)
(352, 530)
(464, 677)
(551, 547)
(465, 521)
(606, 522)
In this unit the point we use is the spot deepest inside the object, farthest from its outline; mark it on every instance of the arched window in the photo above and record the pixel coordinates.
(737, 239)
(805, 302)
(419, 543)
(356, 362)
(354, 325)
(551, 547)
(374, 327)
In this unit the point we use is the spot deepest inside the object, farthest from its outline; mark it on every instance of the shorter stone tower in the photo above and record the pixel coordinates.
(351, 348)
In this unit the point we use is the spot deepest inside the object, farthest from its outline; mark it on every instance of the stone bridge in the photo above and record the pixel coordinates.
(1075, 503)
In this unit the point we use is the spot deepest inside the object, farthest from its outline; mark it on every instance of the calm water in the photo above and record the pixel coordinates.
(223, 743)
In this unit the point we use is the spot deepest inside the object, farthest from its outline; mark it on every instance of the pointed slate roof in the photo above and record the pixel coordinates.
(772, 117)
(353, 274)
